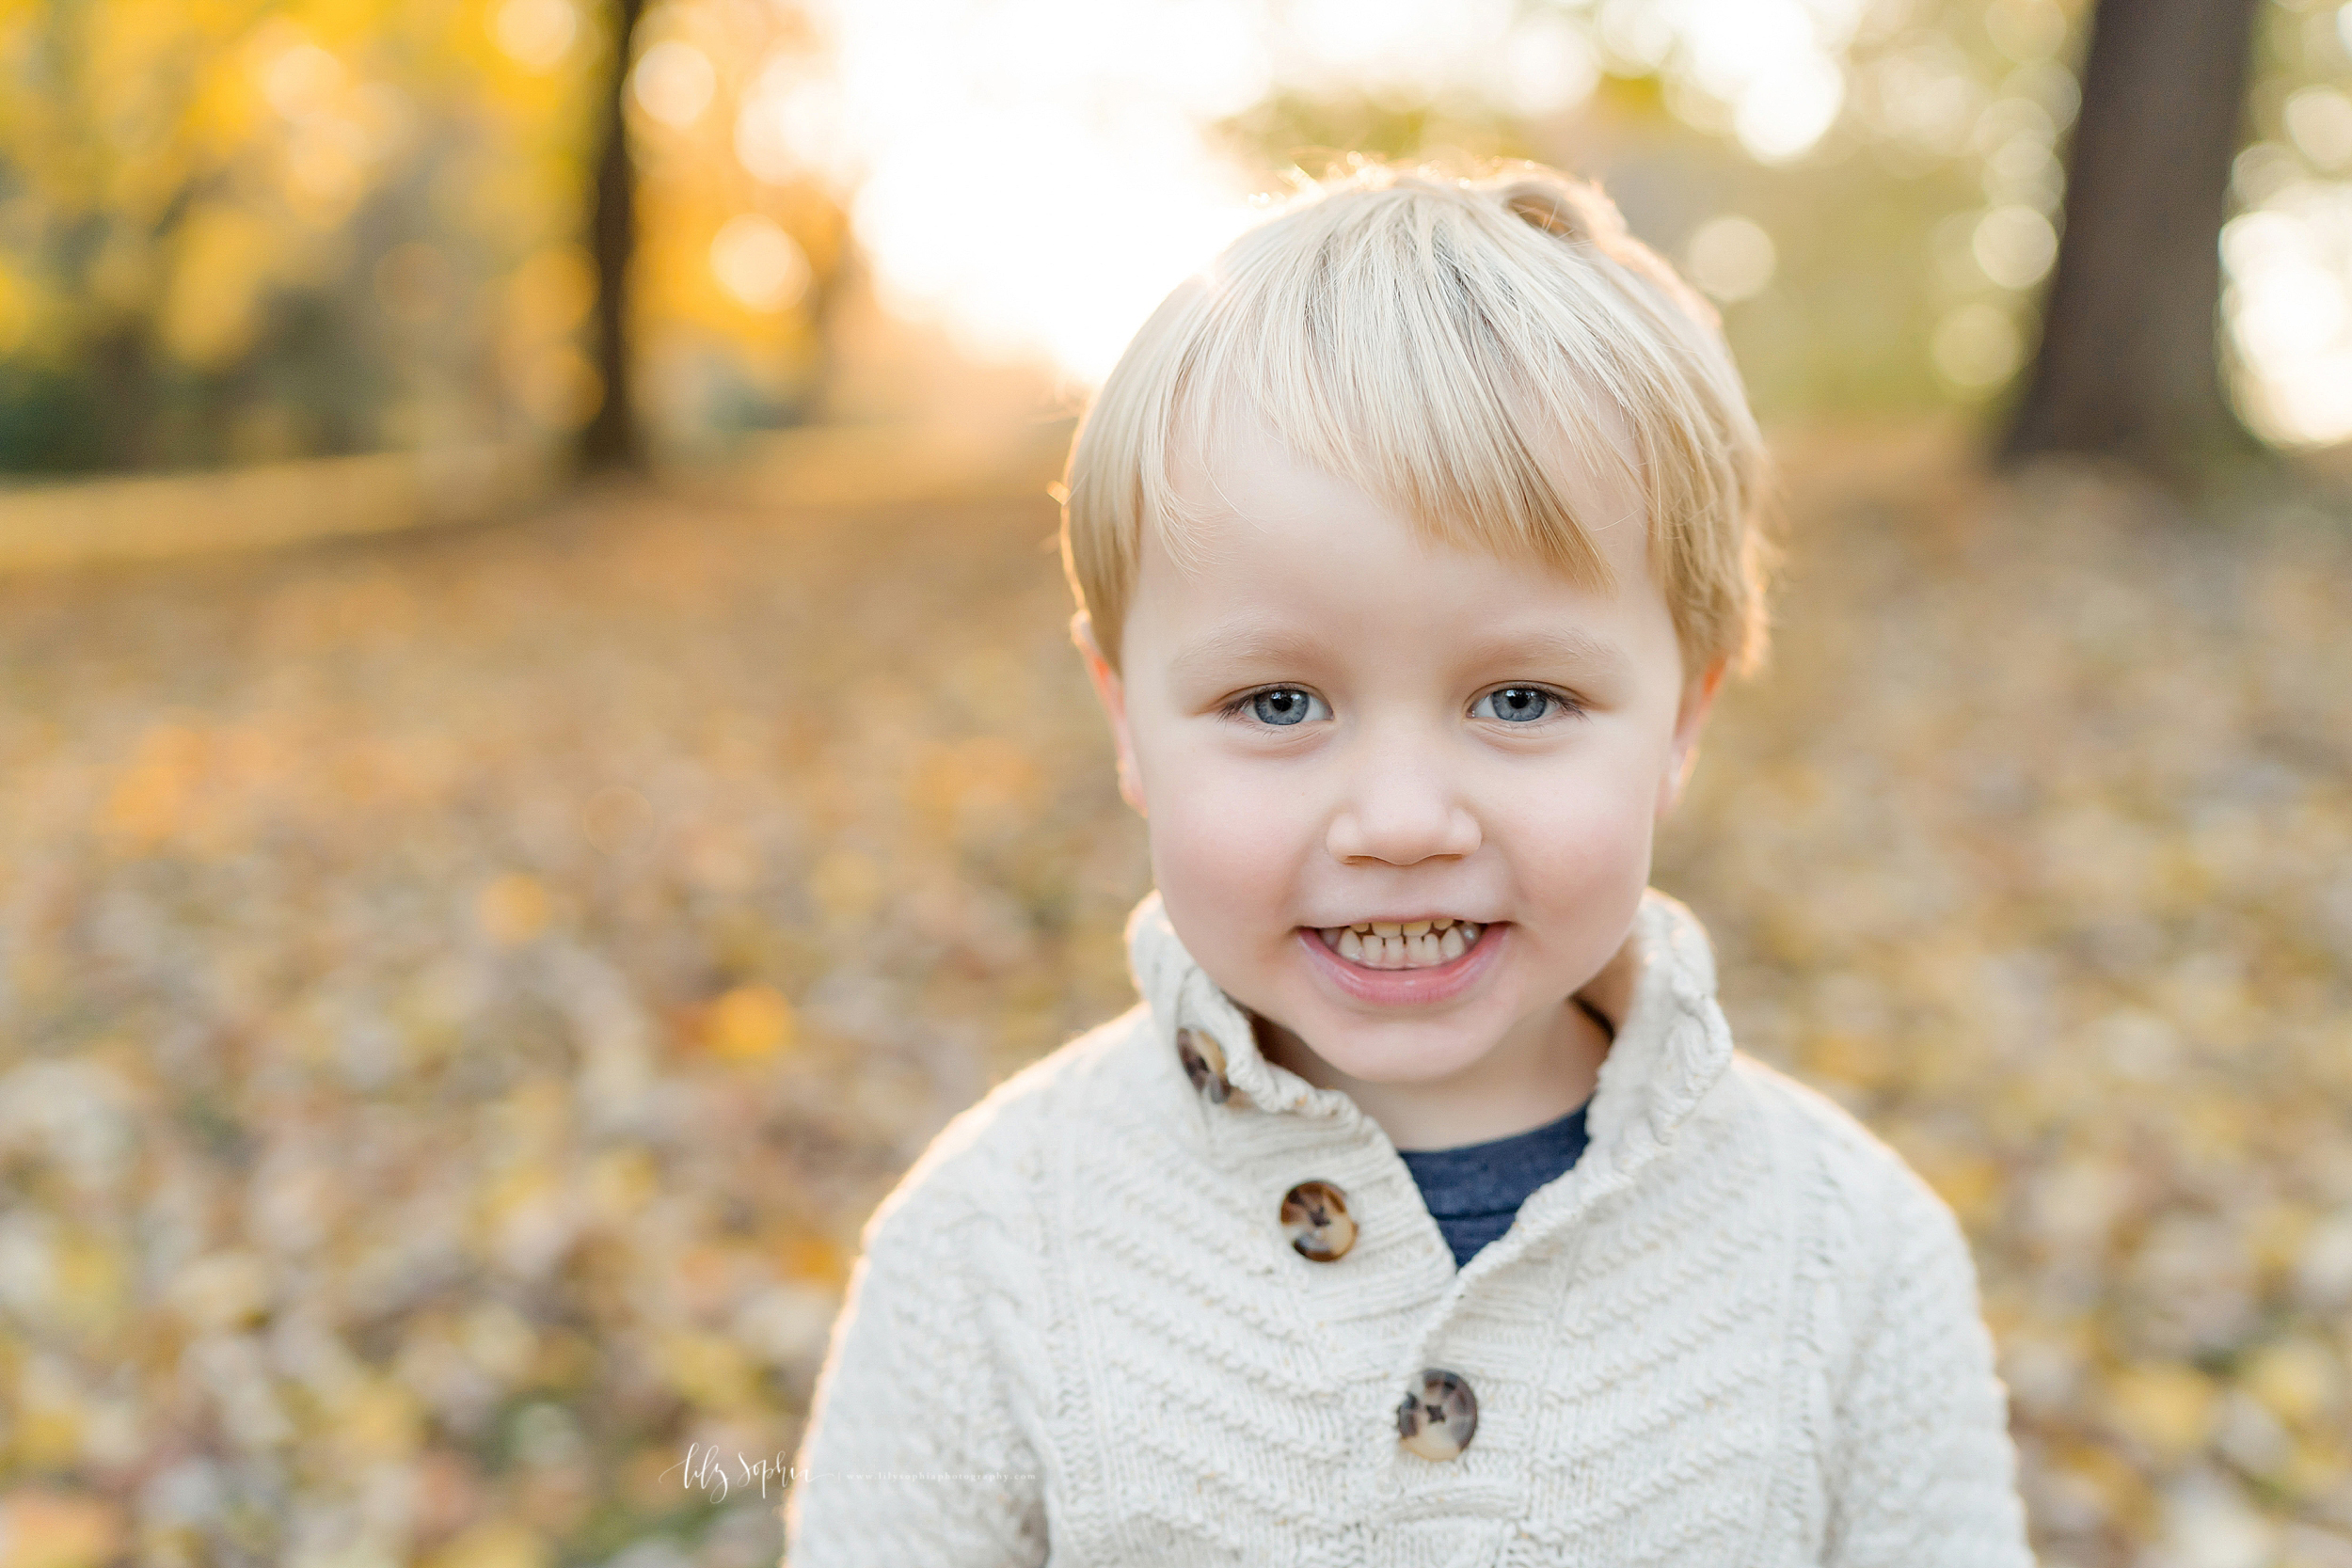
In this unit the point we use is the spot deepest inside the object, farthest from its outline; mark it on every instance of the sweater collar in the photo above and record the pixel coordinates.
(1672, 1043)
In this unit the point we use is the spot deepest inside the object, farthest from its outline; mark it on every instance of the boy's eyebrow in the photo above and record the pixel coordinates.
(1251, 644)
(1241, 642)
(1568, 645)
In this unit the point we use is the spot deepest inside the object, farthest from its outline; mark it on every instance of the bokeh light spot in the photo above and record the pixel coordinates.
(674, 82)
(793, 124)
(2289, 309)
(299, 80)
(757, 262)
(536, 33)
(1549, 67)
(1783, 113)
(2319, 123)
(2014, 245)
(1730, 258)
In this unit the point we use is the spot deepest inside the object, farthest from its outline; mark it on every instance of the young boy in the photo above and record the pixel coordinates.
(1423, 1212)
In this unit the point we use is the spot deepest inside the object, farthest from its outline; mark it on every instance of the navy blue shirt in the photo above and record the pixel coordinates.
(1475, 1190)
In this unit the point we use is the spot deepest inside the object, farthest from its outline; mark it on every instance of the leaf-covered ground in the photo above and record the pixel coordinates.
(461, 994)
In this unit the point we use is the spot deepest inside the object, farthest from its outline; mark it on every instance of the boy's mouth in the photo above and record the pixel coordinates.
(1401, 944)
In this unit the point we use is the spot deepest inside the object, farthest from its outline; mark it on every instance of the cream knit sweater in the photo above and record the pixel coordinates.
(1739, 1330)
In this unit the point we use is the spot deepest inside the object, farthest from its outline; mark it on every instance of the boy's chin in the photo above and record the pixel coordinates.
(1397, 1052)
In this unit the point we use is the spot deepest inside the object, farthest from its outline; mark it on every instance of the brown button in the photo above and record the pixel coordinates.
(1204, 1064)
(1439, 1415)
(1315, 1217)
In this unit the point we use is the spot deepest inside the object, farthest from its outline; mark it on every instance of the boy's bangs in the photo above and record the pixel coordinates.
(1395, 356)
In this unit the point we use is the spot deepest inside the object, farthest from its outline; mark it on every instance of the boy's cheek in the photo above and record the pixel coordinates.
(1233, 848)
(1572, 828)
(1579, 859)
(1226, 856)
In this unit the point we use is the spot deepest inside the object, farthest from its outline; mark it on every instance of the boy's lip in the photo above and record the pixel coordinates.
(1406, 988)
(1427, 917)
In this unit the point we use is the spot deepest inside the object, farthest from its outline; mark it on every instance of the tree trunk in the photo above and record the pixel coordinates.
(611, 438)
(2128, 366)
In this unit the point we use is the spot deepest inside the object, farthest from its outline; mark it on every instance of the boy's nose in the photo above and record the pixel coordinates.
(1401, 817)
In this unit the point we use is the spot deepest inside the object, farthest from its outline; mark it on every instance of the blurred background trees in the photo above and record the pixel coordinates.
(2127, 365)
(231, 233)
(612, 439)
(235, 232)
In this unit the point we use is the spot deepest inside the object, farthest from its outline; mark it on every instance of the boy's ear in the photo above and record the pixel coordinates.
(1698, 700)
(1113, 692)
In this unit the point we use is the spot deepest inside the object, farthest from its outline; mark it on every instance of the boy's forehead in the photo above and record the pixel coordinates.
(1236, 477)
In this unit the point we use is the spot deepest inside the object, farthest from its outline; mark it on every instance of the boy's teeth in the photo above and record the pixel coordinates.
(1414, 944)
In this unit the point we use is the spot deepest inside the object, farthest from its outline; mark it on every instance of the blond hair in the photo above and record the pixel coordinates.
(1429, 338)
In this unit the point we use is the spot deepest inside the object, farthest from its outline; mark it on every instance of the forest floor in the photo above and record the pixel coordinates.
(462, 992)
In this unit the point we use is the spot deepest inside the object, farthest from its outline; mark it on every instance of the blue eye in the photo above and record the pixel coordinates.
(1287, 704)
(1517, 704)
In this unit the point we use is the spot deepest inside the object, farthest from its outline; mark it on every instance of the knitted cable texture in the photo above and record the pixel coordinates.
(1739, 1330)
